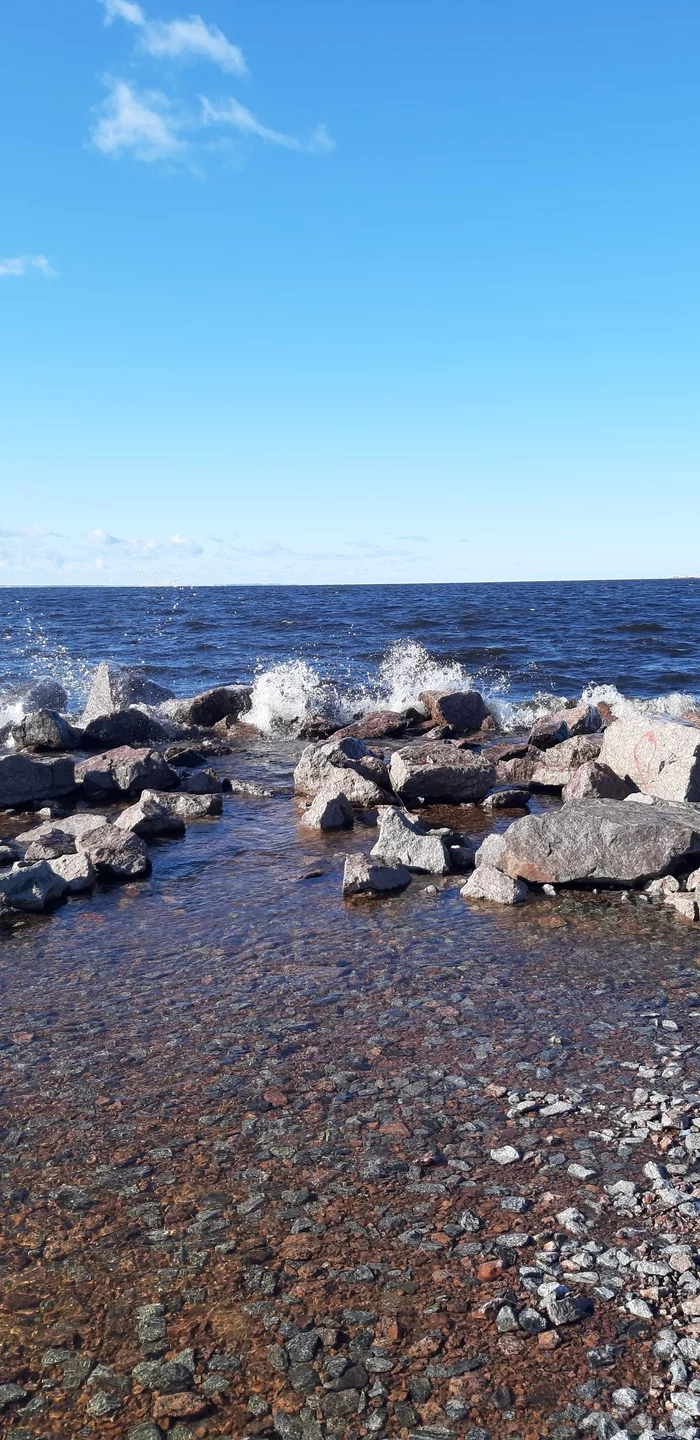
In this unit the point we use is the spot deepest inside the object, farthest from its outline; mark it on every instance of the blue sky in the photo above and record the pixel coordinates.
(349, 291)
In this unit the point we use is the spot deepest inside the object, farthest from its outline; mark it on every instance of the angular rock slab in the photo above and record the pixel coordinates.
(125, 727)
(463, 710)
(115, 687)
(45, 730)
(76, 870)
(210, 706)
(328, 812)
(343, 767)
(366, 877)
(601, 842)
(116, 855)
(404, 841)
(487, 883)
(24, 780)
(126, 770)
(593, 781)
(436, 770)
(31, 887)
(148, 817)
(186, 807)
(659, 755)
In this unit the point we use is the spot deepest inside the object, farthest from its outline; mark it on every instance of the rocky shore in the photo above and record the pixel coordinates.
(418, 1164)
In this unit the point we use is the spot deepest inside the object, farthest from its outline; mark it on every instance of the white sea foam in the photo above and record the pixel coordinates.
(289, 693)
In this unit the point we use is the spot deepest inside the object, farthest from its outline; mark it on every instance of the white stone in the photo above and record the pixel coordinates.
(490, 884)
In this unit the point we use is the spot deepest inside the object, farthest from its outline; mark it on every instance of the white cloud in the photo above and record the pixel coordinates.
(231, 112)
(123, 10)
(22, 263)
(139, 123)
(192, 39)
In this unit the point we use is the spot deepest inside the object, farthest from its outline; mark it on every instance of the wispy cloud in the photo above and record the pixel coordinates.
(20, 264)
(141, 124)
(190, 39)
(232, 113)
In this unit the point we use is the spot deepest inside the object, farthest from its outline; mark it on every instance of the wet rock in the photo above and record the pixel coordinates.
(378, 724)
(658, 755)
(404, 841)
(41, 694)
(9, 852)
(186, 808)
(515, 769)
(365, 877)
(11, 1394)
(594, 781)
(200, 782)
(437, 770)
(210, 706)
(49, 845)
(685, 905)
(328, 812)
(559, 763)
(23, 780)
(343, 766)
(167, 1376)
(124, 727)
(116, 687)
(464, 711)
(45, 730)
(127, 771)
(487, 883)
(548, 731)
(148, 817)
(601, 842)
(31, 887)
(507, 799)
(71, 825)
(116, 855)
(77, 872)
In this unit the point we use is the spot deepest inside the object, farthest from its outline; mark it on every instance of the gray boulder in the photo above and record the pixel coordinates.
(9, 852)
(378, 724)
(328, 812)
(463, 710)
(594, 781)
(126, 770)
(200, 782)
(601, 842)
(24, 780)
(487, 883)
(436, 770)
(116, 687)
(125, 727)
(50, 844)
(41, 694)
(366, 877)
(343, 767)
(658, 755)
(186, 807)
(148, 817)
(45, 730)
(559, 763)
(507, 799)
(517, 769)
(404, 841)
(490, 850)
(116, 854)
(74, 825)
(31, 887)
(547, 732)
(210, 706)
(76, 871)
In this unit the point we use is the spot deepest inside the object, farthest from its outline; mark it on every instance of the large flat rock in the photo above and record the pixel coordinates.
(437, 770)
(659, 755)
(24, 780)
(601, 842)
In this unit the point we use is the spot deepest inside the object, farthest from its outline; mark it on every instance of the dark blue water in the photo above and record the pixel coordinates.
(643, 637)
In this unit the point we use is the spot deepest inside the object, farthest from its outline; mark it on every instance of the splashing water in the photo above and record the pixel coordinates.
(291, 692)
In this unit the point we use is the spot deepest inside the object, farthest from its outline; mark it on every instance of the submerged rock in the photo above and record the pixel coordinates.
(487, 883)
(200, 782)
(328, 812)
(507, 799)
(24, 780)
(365, 877)
(464, 711)
(115, 854)
(185, 807)
(601, 842)
(126, 770)
(31, 887)
(45, 730)
(404, 841)
(148, 817)
(207, 708)
(437, 770)
(345, 767)
(116, 687)
(658, 755)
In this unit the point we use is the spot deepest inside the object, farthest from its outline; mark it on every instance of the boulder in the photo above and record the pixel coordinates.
(507, 799)
(658, 755)
(490, 850)
(436, 770)
(345, 767)
(41, 694)
(206, 709)
(24, 780)
(462, 854)
(75, 825)
(487, 883)
(125, 727)
(116, 687)
(115, 854)
(9, 852)
(49, 845)
(580, 719)
(378, 724)
(463, 710)
(76, 870)
(404, 841)
(601, 842)
(186, 807)
(45, 730)
(31, 887)
(189, 754)
(517, 769)
(126, 770)
(559, 763)
(547, 731)
(148, 817)
(200, 782)
(366, 877)
(328, 812)
(594, 781)
(685, 905)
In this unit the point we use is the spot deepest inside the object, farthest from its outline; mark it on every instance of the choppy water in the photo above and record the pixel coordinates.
(348, 648)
